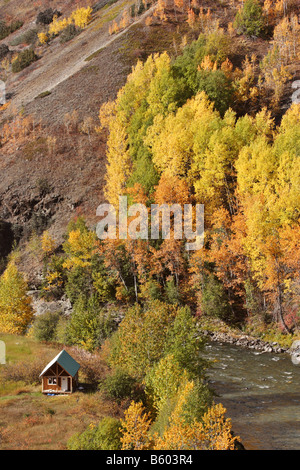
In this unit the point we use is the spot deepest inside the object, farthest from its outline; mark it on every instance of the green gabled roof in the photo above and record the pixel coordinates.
(65, 361)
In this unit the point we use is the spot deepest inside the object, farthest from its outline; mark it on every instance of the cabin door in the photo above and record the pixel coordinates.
(64, 384)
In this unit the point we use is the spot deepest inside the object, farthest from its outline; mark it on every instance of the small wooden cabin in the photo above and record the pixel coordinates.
(60, 376)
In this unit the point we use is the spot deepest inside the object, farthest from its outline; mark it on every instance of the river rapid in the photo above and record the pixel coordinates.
(261, 392)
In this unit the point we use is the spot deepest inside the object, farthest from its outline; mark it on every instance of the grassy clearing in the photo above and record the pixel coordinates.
(34, 421)
(20, 348)
(30, 420)
(109, 13)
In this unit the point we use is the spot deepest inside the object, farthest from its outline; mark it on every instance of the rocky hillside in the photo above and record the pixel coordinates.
(54, 170)
(52, 160)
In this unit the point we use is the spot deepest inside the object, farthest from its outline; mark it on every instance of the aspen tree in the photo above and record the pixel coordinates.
(15, 304)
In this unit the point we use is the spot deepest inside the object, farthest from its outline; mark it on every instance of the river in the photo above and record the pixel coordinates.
(261, 392)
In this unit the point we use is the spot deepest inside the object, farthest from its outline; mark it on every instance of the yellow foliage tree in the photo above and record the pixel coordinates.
(43, 38)
(15, 306)
(287, 40)
(57, 26)
(80, 247)
(191, 19)
(136, 425)
(118, 161)
(82, 17)
(213, 433)
(125, 20)
(48, 244)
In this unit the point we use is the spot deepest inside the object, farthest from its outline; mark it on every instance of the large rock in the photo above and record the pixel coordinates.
(295, 352)
(295, 347)
(40, 306)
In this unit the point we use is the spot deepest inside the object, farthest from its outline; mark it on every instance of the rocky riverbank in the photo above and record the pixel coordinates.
(257, 344)
(246, 341)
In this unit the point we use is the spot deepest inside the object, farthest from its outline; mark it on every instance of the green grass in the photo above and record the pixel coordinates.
(109, 14)
(95, 54)
(43, 94)
(22, 348)
(284, 340)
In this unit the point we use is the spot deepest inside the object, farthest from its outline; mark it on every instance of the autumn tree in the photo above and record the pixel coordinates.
(249, 19)
(160, 10)
(212, 433)
(82, 17)
(43, 38)
(286, 39)
(246, 86)
(83, 264)
(191, 19)
(164, 380)
(267, 176)
(48, 243)
(139, 341)
(15, 304)
(135, 428)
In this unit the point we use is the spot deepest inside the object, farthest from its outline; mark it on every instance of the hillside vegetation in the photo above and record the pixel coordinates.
(168, 102)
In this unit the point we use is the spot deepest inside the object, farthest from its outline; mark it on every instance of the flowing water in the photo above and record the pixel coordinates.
(261, 392)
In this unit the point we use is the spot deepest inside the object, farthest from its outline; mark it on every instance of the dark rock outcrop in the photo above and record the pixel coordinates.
(6, 238)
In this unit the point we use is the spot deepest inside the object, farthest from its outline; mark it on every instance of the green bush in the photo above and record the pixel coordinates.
(250, 20)
(106, 436)
(90, 324)
(214, 302)
(218, 88)
(119, 385)
(198, 401)
(61, 329)
(23, 60)
(4, 50)
(185, 344)
(44, 327)
(29, 37)
(215, 83)
(68, 33)
(24, 371)
(6, 30)
(78, 283)
(171, 291)
(15, 25)
(82, 328)
(107, 325)
(90, 280)
(46, 17)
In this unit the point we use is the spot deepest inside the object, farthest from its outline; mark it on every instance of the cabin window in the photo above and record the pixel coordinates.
(51, 381)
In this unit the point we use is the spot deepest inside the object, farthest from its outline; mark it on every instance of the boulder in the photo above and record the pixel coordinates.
(295, 352)
(295, 348)
(41, 306)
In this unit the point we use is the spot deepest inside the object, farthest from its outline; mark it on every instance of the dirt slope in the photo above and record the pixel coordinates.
(62, 61)
(41, 189)
(44, 189)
